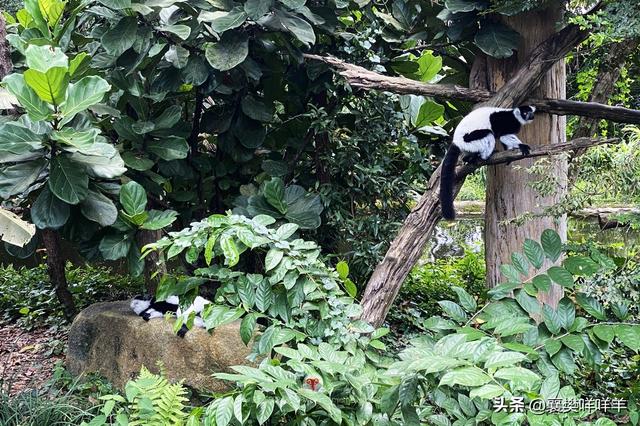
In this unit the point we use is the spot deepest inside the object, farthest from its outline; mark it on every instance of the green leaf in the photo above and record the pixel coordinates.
(159, 219)
(503, 359)
(273, 258)
(542, 282)
(230, 51)
(517, 375)
(17, 178)
(264, 410)
(566, 313)
(592, 306)
(520, 263)
(343, 269)
(350, 288)
(99, 208)
(305, 211)
(81, 95)
(461, 6)
(247, 326)
(530, 304)
(133, 198)
(428, 66)
(551, 319)
(629, 335)
(465, 376)
(534, 253)
(43, 58)
(182, 31)
(561, 276)
(36, 108)
(453, 310)
(573, 342)
(222, 21)
(17, 139)
(171, 148)
(229, 250)
(68, 181)
(552, 346)
(323, 401)
(551, 244)
(137, 162)
(274, 194)
(79, 64)
(550, 387)
(48, 211)
(466, 300)
(121, 37)
(428, 113)
(487, 392)
(581, 265)
(50, 86)
(116, 4)
(224, 411)
(264, 296)
(497, 40)
(116, 246)
(82, 140)
(298, 27)
(256, 109)
(256, 9)
(605, 332)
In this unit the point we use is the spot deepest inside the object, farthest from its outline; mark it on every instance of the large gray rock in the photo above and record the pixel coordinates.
(108, 338)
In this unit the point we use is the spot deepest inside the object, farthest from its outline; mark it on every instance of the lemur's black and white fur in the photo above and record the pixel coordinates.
(149, 308)
(476, 137)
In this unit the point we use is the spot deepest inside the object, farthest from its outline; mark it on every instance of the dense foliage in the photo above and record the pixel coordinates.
(28, 299)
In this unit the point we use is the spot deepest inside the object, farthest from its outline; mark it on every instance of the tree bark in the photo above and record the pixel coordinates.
(152, 262)
(5, 57)
(408, 246)
(56, 270)
(508, 191)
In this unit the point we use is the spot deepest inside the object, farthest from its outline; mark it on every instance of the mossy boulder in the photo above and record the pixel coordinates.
(109, 339)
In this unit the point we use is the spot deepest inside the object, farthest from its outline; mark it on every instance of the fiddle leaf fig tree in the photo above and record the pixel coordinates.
(54, 158)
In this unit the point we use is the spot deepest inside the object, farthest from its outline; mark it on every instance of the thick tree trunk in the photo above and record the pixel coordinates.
(508, 191)
(55, 268)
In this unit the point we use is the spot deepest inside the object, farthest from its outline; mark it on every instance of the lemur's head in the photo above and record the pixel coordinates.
(140, 303)
(524, 113)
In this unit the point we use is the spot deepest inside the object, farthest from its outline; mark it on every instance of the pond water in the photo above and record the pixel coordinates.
(467, 234)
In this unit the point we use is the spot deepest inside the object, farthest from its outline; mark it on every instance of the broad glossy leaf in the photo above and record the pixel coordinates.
(257, 109)
(51, 11)
(465, 376)
(182, 31)
(534, 253)
(229, 250)
(428, 66)
(50, 86)
(503, 359)
(68, 180)
(592, 306)
(224, 411)
(560, 276)
(487, 392)
(247, 326)
(81, 95)
(230, 51)
(101, 160)
(133, 198)
(48, 211)
(256, 9)
(581, 265)
(605, 332)
(453, 310)
(552, 244)
(99, 208)
(305, 211)
(428, 113)
(116, 4)
(82, 140)
(17, 139)
(121, 37)
(36, 108)
(222, 21)
(461, 6)
(17, 178)
(43, 58)
(497, 40)
(274, 194)
(298, 27)
(566, 312)
(159, 219)
(629, 335)
(171, 148)
(518, 375)
(115, 246)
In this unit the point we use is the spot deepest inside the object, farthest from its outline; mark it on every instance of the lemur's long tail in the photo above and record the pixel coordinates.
(447, 182)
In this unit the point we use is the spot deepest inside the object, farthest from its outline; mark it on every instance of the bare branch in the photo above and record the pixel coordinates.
(361, 77)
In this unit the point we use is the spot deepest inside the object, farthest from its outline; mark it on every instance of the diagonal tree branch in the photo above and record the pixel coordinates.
(361, 77)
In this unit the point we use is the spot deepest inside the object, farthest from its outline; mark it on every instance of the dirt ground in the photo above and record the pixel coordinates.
(27, 358)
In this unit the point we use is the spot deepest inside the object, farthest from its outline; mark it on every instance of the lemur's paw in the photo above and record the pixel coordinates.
(524, 149)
